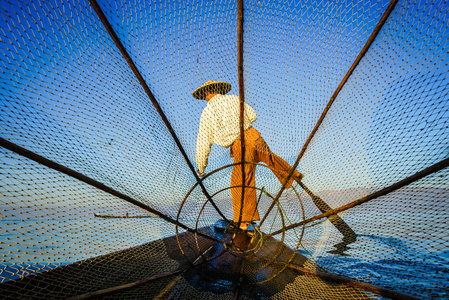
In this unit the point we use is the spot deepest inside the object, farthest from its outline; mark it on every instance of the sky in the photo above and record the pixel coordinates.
(68, 94)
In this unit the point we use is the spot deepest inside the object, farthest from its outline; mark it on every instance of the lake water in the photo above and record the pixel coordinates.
(393, 262)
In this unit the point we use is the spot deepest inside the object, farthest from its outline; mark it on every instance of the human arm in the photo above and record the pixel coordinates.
(250, 113)
(204, 141)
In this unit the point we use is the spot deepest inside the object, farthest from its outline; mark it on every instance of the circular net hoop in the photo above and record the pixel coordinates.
(99, 190)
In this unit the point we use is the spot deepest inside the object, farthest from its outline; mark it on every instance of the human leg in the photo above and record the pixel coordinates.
(265, 155)
(249, 211)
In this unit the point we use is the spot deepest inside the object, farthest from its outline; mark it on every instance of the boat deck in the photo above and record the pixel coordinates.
(218, 276)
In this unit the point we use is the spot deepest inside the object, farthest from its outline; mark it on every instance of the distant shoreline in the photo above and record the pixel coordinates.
(97, 215)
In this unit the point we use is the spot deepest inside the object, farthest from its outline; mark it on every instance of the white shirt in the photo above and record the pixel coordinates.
(220, 124)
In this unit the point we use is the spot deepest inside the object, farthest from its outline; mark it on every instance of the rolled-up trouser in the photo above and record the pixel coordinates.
(256, 150)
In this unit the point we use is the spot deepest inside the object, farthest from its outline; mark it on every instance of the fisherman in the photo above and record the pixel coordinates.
(220, 124)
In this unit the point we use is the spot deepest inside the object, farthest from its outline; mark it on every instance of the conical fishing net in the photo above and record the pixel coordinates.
(101, 138)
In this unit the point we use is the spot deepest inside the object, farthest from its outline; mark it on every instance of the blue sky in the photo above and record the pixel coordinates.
(67, 94)
(74, 99)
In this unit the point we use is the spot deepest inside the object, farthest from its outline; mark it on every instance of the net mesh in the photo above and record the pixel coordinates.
(69, 96)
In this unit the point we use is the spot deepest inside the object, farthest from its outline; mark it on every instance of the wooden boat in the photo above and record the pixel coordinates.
(97, 115)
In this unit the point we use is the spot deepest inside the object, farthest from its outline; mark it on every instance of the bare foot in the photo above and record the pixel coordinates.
(244, 226)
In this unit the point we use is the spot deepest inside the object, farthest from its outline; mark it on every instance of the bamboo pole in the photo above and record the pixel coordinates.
(242, 99)
(406, 181)
(138, 283)
(72, 173)
(125, 287)
(354, 283)
(150, 95)
(362, 53)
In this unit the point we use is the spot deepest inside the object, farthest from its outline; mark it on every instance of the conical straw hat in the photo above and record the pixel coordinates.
(211, 86)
